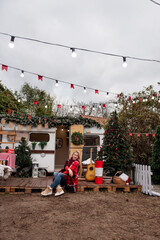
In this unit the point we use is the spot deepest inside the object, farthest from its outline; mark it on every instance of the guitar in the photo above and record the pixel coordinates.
(90, 174)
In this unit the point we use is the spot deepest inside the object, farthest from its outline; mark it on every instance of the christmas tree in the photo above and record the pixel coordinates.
(155, 163)
(23, 159)
(115, 150)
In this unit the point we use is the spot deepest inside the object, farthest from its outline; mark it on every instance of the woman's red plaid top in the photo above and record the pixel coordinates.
(74, 166)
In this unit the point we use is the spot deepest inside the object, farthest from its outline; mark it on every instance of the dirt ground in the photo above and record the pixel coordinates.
(84, 215)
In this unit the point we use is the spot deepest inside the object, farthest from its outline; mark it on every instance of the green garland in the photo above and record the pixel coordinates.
(77, 138)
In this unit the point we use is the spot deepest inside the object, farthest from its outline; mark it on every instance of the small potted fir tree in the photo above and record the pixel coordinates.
(42, 144)
(33, 145)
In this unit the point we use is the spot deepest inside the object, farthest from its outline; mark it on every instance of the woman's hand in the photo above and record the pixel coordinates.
(70, 172)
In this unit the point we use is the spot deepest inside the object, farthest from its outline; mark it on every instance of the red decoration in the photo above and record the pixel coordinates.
(9, 111)
(40, 78)
(58, 106)
(130, 98)
(6, 93)
(153, 134)
(4, 67)
(140, 99)
(117, 95)
(130, 134)
(72, 86)
(138, 134)
(52, 120)
(35, 103)
(96, 91)
(104, 105)
(83, 107)
(21, 115)
(45, 119)
(147, 134)
(29, 117)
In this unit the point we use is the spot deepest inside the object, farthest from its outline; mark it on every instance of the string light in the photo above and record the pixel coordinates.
(19, 100)
(56, 84)
(74, 54)
(85, 90)
(71, 108)
(93, 108)
(46, 106)
(124, 62)
(83, 49)
(107, 94)
(11, 44)
(22, 73)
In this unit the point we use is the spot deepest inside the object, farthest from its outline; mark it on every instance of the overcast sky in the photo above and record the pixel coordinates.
(124, 27)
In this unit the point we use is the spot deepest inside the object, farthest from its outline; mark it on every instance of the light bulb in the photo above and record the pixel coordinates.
(19, 100)
(85, 90)
(22, 73)
(93, 108)
(11, 44)
(71, 108)
(107, 94)
(74, 54)
(45, 106)
(56, 83)
(124, 62)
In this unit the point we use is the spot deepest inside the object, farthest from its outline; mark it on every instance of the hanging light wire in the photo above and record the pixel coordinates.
(83, 49)
(57, 80)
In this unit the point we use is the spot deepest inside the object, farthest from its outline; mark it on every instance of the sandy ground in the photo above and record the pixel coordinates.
(84, 215)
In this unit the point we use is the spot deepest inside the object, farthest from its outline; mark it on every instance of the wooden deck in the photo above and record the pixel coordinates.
(36, 185)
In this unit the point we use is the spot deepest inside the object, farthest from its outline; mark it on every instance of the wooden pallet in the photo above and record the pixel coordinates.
(126, 188)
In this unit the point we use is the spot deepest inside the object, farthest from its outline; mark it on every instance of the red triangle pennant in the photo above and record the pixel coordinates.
(4, 67)
(129, 98)
(40, 78)
(96, 91)
(58, 106)
(72, 86)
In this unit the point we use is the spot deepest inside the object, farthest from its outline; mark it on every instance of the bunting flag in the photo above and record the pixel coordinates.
(29, 117)
(9, 111)
(96, 91)
(117, 95)
(83, 107)
(40, 78)
(58, 106)
(129, 98)
(4, 67)
(35, 103)
(6, 93)
(72, 85)
(104, 105)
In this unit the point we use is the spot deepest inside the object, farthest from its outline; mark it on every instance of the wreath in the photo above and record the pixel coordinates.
(77, 138)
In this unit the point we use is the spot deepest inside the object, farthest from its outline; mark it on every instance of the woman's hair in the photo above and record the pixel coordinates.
(78, 154)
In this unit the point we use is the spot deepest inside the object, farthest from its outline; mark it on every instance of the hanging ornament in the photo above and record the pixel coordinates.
(96, 91)
(28, 127)
(6, 93)
(39, 126)
(20, 127)
(21, 115)
(3, 121)
(35, 103)
(29, 117)
(10, 124)
(9, 111)
(83, 107)
(104, 105)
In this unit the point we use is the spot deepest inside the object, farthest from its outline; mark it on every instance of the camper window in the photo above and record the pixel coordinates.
(39, 137)
(91, 140)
